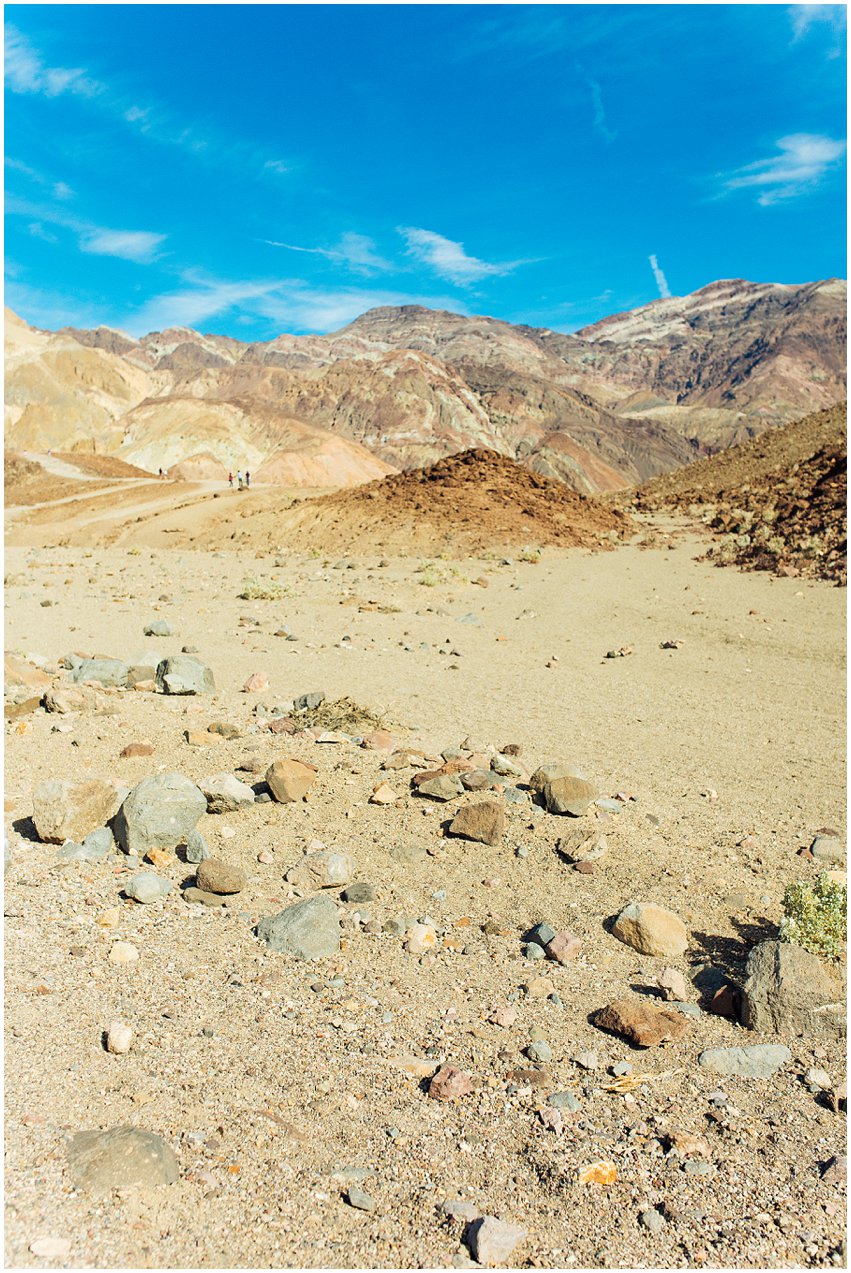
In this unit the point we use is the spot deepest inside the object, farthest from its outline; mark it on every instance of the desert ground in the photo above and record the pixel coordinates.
(294, 1093)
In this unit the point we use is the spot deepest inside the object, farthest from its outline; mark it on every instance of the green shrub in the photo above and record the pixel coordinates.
(254, 590)
(815, 915)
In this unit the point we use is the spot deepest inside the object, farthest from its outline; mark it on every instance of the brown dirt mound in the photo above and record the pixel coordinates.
(472, 500)
(101, 465)
(778, 501)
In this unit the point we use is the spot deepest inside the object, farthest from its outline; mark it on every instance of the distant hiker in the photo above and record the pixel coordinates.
(161, 472)
(239, 480)
(230, 480)
(247, 478)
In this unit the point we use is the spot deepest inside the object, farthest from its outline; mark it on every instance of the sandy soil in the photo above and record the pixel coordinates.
(277, 1082)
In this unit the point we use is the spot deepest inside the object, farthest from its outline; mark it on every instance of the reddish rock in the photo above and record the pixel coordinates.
(136, 749)
(379, 740)
(584, 868)
(727, 1002)
(645, 1026)
(563, 947)
(449, 1084)
(256, 683)
(282, 725)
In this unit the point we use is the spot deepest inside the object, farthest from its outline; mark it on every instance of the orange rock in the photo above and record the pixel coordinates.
(136, 749)
(599, 1173)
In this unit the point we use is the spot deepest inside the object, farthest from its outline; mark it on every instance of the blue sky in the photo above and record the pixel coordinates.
(252, 170)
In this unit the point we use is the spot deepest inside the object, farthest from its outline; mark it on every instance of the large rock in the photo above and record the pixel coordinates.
(550, 771)
(120, 1157)
(759, 1061)
(441, 787)
(226, 794)
(146, 887)
(789, 990)
(71, 698)
(290, 780)
(568, 795)
(215, 876)
(326, 869)
(181, 674)
(309, 929)
(158, 813)
(18, 671)
(643, 1025)
(651, 930)
(70, 810)
(483, 822)
(104, 671)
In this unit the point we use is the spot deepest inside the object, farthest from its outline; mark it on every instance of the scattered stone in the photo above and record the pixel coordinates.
(200, 897)
(146, 887)
(159, 812)
(226, 794)
(257, 683)
(492, 1241)
(123, 952)
(421, 939)
(358, 893)
(196, 848)
(759, 1061)
(835, 1171)
(789, 990)
(309, 929)
(539, 988)
(119, 1158)
(651, 929)
(673, 985)
(563, 947)
(215, 876)
(551, 771)
(159, 628)
(359, 1200)
(119, 1038)
(383, 794)
(506, 767)
(582, 844)
(136, 749)
(442, 787)
(100, 841)
(290, 780)
(644, 1026)
(564, 1100)
(652, 1221)
(584, 868)
(827, 848)
(64, 699)
(483, 822)
(181, 674)
(817, 1080)
(51, 1248)
(540, 1051)
(449, 1084)
(70, 810)
(327, 868)
(460, 1209)
(504, 1016)
(568, 795)
(104, 671)
(308, 702)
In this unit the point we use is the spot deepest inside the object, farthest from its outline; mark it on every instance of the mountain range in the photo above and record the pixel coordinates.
(611, 405)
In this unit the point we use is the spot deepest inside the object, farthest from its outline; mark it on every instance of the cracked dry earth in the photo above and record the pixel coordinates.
(281, 1084)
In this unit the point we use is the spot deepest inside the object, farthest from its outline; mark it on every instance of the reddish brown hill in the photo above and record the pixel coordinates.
(469, 501)
(778, 501)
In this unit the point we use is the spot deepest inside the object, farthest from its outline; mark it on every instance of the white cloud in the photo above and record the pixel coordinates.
(276, 165)
(61, 190)
(129, 245)
(600, 125)
(26, 72)
(805, 17)
(803, 160)
(37, 230)
(355, 251)
(286, 304)
(661, 281)
(448, 259)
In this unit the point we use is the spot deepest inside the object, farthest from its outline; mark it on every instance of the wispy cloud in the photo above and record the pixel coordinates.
(600, 125)
(661, 281)
(27, 72)
(803, 160)
(128, 245)
(286, 304)
(355, 251)
(448, 258)
(59, 189)
(829, 18)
